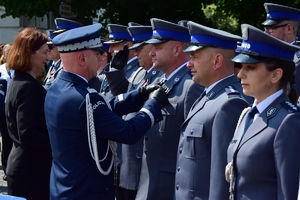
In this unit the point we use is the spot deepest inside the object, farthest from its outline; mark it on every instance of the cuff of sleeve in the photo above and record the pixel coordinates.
(149, 114)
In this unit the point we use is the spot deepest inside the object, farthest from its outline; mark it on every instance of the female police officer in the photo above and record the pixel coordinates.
(264, 158)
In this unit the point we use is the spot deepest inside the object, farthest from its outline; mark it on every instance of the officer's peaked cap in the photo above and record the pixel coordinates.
(77, 39)
(63, 24)
(139, 35)
(51, 35)
(164, 31)
(277, 13)
(117, 33)
(133, 24)
(257, 46)
(203, 36)
(183, 23)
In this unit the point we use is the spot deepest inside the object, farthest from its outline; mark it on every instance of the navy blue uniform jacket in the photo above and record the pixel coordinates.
(74, 174)
(266, 159)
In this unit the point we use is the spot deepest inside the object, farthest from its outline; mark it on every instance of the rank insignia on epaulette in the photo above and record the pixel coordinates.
(230, 90)
(291, 107)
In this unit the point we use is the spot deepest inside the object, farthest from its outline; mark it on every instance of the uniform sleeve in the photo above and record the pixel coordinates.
(126, 103)
(222, 132)
(112, 127)
(287, 157)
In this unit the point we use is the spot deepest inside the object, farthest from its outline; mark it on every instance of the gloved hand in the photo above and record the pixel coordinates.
(160, 96)
(146, 90)
(119, 61)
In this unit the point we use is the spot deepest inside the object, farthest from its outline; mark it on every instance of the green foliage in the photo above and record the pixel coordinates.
(220, 20)
(223, 14)
(38, 8)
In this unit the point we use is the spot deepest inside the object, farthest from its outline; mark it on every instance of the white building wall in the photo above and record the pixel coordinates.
(10, 27)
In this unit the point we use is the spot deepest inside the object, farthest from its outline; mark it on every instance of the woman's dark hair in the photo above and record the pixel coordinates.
(27, 42)
(287, 81)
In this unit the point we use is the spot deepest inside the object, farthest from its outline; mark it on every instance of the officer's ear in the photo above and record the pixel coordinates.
(177, 49)
(276, 75)
(218, 60)
(81, 58)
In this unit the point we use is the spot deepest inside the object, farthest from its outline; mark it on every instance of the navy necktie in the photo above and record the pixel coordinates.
(199, 99)
(250, 117)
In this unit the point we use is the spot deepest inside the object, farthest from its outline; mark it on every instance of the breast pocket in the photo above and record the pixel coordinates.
(194, 145)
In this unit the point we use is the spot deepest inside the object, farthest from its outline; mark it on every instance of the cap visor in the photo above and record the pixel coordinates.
(136, 45)
(59, 31)
(243, 58)
(271, 22)
(113, 41)
(155, 41)
(192, 48)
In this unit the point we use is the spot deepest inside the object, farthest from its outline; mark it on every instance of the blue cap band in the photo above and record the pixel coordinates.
(141, 37)
(165, 34)
(272, 50)
(119, 36)
(213, 41)
(283, 15)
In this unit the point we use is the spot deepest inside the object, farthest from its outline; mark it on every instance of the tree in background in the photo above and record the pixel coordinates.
(223, 14)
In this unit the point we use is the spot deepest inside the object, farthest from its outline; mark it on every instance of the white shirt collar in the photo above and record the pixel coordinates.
(174, 72)
(266, 102)
(213, 85)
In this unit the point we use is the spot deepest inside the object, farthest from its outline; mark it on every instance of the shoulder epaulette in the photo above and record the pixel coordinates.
(230, 91)
(291, 107)
(91, 90)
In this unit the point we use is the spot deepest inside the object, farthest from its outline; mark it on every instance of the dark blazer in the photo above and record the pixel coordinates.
(266, 159)
(74, 172)
(161, 141)
(31, 152)
(3, 88)
(205, 135)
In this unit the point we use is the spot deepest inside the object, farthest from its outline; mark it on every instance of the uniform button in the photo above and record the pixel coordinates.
(192, 132)
(145, 152)
(178, 168)
(180, 150)
(177, 187)
(146, 138)
(182, 134)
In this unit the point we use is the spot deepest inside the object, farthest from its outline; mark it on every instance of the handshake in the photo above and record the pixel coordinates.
(154, 91)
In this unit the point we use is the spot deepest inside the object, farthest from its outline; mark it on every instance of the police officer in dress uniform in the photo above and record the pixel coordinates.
(161, 142)
(82, 124)
(283, 23)
(264, 158)
(209, 125)
(62, 25)
(131, 157)
(118, 37)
